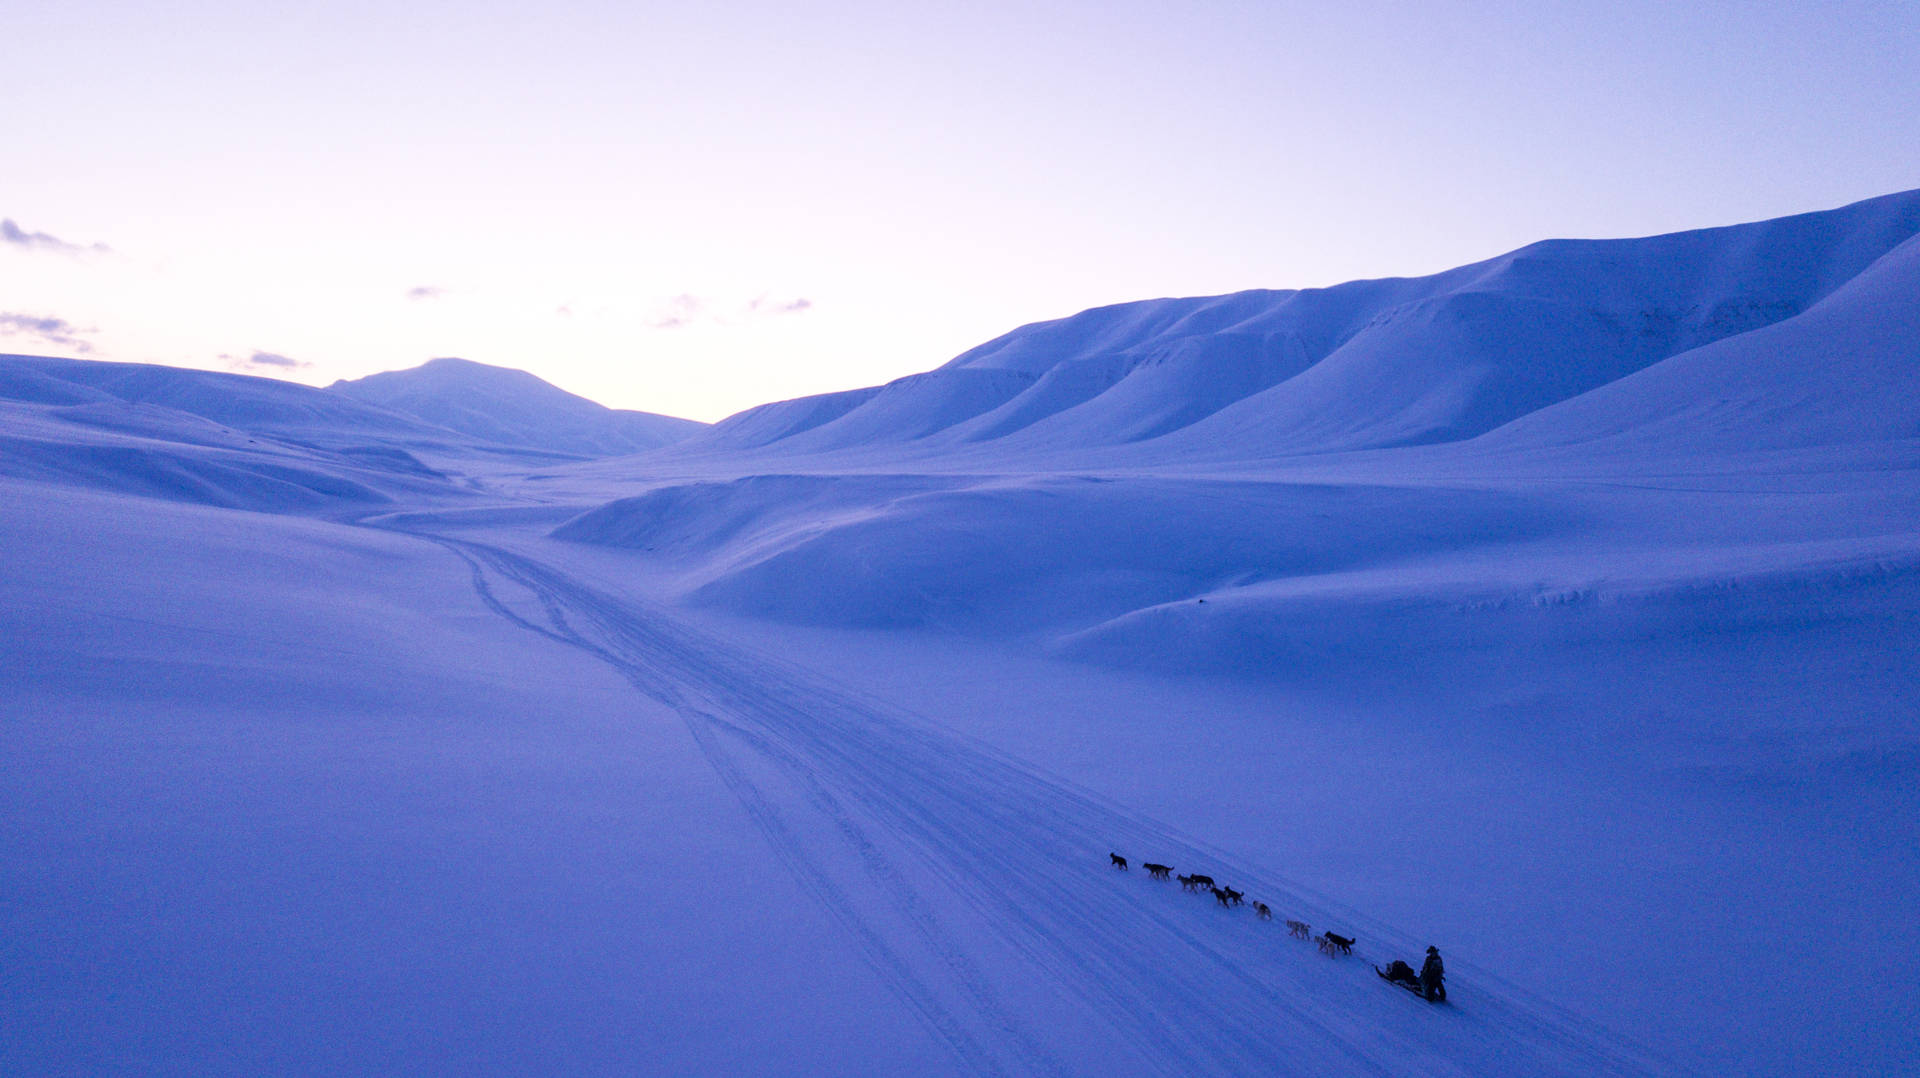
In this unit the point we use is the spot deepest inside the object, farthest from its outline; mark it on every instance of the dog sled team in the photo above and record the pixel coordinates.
(1428, 982)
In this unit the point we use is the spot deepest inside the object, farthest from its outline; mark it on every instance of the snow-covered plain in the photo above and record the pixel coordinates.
(1558, 610)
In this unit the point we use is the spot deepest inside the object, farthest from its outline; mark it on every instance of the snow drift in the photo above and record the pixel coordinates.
(1019, 554)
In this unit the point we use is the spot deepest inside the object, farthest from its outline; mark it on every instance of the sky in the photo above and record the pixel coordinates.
(693, 209)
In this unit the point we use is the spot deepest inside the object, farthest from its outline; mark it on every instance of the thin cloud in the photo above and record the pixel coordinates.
(682, 310)
(268, 360)
(13, 235)
(57, 331)
(687, 309)
(425, 291)
(766, 306)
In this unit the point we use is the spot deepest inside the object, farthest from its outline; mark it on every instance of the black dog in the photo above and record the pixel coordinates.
(1201, 881)
(1222, 897)
(1119, 862)
(1235, 896)
(1261, 908)
(1336, 944)
(1158, 872)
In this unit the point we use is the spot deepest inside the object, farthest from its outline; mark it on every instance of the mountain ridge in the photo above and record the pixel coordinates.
(513, 407)
(1366, 364)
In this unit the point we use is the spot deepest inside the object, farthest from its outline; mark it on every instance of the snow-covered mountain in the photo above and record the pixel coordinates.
(512, 407)
(260, 443)
(210, 438)
(90, 391)
(1362, 365)
(1557, 610)
(1633, 357)
(1845, 371)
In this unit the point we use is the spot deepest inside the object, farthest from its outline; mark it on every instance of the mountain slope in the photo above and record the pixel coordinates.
(1363, 365)
(211, 438)
(512, 407)
(1845, 371)
(265, 406)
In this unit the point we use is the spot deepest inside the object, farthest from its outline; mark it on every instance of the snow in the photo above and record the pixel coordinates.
(1843, 372)
(1361, 365)
(1557, 610)
(283, 796)
(510, 407)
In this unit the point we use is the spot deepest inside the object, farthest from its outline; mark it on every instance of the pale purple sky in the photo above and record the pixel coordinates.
(697, 208)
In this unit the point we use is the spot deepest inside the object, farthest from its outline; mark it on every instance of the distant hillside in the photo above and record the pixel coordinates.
(1363, 365)
(91, 390)
(241, 441)
(209, 438)
(512, 407)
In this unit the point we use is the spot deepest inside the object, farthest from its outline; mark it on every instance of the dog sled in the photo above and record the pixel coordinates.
(1408, 980)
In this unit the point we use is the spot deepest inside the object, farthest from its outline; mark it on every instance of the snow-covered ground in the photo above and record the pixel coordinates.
(1558, 611)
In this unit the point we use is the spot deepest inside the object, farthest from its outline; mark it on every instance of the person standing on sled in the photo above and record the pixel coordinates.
(1432, 973)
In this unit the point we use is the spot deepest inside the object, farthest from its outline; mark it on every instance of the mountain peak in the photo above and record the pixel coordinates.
(514, 407)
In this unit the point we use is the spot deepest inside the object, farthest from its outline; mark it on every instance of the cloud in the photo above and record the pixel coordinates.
(425, 291)
(686, 309)
(257, 360)
(49, 330)
(681, 310)
(764, 306)
(13, 235)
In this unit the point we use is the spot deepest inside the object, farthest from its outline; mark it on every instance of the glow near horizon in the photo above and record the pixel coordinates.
(923, 179)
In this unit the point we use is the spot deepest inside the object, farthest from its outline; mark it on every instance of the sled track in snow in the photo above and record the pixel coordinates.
(925, 848)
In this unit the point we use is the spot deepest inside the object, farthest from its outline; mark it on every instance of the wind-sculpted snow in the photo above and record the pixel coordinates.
(703, 520)
(1019, 554)
(1317, 622)
(1361, 365)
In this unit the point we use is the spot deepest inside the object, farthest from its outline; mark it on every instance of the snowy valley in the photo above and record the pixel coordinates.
(1557, 610)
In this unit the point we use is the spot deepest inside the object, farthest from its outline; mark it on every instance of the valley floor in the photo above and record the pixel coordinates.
(435, 793)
